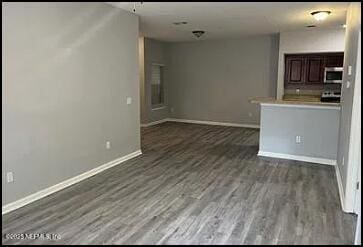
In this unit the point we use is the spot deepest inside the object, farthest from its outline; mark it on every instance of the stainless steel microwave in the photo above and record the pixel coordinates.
(333, 75)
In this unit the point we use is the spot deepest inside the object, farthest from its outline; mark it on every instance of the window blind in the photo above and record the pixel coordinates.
(156, 75)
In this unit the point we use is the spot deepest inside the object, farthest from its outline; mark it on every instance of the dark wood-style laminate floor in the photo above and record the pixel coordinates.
(194, 184)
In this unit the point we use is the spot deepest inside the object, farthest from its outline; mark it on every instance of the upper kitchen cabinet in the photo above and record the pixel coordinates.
(334, 60)
(307, 70)
(295, 69)
(314, 69)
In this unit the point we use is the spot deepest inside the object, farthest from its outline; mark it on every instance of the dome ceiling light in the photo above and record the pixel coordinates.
(198, 33)
(320, 15)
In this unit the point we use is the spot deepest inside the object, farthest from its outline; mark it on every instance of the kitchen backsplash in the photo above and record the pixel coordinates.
(328, 87)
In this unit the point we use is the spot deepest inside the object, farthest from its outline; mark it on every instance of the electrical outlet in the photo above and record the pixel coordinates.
(9, 177)
(349, 70)
(348, 84)
(298, 139)
(128, 100)
(108, 145)
(171, 109)
(250, 114)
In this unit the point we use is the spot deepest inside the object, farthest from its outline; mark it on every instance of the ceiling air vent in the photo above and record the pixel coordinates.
(180, 23)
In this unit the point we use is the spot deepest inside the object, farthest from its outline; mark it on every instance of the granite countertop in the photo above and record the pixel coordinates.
(294, 100)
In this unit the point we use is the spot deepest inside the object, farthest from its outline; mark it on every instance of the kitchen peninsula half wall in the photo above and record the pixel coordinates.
(299, 130)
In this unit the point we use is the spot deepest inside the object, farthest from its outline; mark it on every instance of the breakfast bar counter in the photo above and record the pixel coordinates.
(297, 100)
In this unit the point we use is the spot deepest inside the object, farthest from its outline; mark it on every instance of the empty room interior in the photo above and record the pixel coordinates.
(181, 123)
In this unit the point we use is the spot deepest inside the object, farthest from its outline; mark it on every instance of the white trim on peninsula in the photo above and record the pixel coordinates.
(331, 162)
(332, 107)
(66, 183)
(269, 101)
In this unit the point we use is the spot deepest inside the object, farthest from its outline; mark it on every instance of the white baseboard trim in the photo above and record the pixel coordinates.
(255, 126)
(154, 123)
(50, 190)
(340, 187)
(298, 157)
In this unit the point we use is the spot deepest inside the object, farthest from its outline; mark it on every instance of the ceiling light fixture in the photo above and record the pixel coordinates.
(198, 33)
(320, 15)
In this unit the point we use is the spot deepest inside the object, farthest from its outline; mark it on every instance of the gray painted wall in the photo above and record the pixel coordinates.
(318, 129)
(213, 80)
(67, 70)
(350, 59)
(154, 52)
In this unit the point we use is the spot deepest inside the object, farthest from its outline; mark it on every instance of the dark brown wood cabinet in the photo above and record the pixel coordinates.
(295, 69)
(334, 60)
(314, 69)
(307, 70)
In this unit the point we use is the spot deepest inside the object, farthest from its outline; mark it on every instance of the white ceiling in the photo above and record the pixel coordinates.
(230, 19)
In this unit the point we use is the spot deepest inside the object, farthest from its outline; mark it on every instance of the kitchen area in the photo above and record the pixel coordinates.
(313, 77)
(303, 124)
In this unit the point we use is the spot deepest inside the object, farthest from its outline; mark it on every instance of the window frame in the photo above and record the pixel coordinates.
(162, 104)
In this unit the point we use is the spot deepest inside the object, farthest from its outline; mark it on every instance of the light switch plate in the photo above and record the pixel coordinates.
(108, 145)
(128, 100)
(349, 70)
(9, 177)
(298, 139)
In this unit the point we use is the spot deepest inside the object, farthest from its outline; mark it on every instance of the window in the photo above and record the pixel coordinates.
(157, 86)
